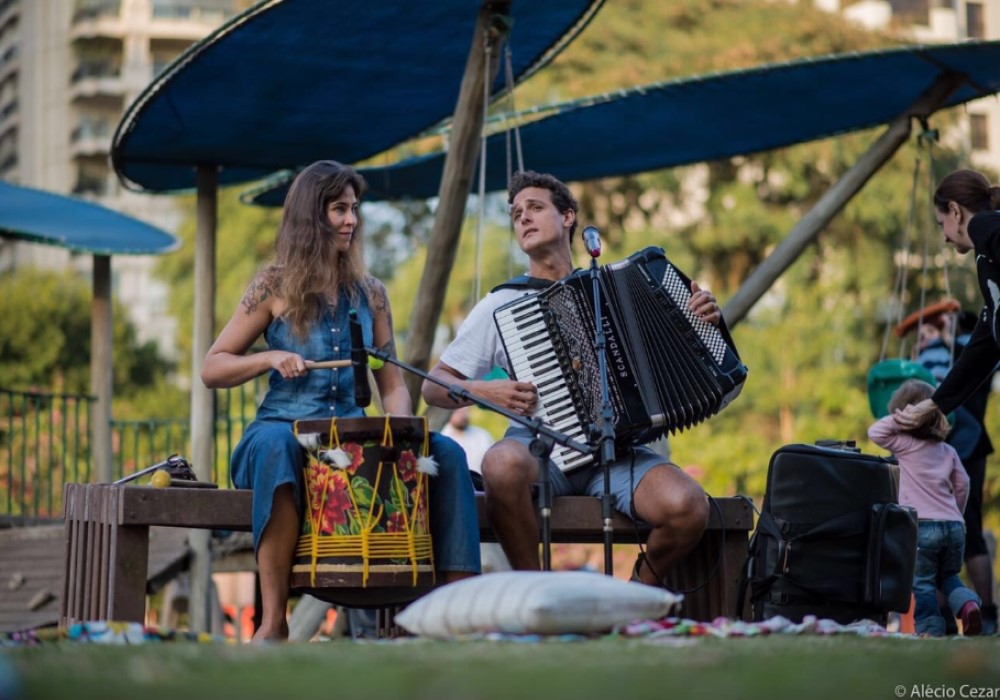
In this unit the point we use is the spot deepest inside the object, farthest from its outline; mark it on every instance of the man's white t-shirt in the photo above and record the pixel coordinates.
(477, 347)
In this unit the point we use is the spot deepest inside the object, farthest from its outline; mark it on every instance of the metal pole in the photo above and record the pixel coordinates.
(456, 183)
(102, 334)
(202, 398)
(830, 204)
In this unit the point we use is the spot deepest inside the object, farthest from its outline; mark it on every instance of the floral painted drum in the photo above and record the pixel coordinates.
(365, 539)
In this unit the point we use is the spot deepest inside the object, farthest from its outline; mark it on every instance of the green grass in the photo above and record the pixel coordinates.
(609, 668)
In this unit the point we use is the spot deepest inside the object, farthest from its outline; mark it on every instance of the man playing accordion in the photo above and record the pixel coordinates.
(644, 486)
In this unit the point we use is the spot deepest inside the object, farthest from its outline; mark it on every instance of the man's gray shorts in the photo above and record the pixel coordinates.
(626, 473)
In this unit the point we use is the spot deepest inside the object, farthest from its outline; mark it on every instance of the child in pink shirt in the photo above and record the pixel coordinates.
(932, 480)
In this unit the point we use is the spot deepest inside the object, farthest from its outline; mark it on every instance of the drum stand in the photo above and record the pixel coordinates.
(541, 446)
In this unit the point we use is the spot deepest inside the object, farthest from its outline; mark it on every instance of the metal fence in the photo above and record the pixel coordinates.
(45, 442)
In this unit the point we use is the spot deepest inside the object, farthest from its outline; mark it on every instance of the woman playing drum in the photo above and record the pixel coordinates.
(300, 304)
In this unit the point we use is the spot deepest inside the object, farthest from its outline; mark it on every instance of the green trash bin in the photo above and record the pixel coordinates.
(886, 376)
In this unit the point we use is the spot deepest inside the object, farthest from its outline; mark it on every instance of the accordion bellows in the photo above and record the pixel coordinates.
(668, 369)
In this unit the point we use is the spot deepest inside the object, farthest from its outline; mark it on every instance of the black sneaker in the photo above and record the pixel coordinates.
(989, 615)
(635, 569)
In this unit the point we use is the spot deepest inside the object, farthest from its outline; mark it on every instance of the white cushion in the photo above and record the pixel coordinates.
(534, 602)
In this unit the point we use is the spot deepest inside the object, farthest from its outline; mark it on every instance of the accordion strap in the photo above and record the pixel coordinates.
(523, 282)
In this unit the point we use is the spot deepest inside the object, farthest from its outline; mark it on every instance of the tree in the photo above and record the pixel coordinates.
(811, 340)
(244, 241)
(46, 338)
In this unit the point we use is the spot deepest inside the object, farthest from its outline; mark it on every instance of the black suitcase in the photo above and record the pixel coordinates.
(832, 540)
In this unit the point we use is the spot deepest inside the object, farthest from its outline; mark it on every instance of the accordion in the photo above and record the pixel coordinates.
(667, 369)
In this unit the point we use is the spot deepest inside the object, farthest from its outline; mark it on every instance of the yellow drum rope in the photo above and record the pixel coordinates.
(381, 545)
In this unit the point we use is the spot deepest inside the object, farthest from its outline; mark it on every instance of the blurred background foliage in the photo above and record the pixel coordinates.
(46, 340)
(808, 343)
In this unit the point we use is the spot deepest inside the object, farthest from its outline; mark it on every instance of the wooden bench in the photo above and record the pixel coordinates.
(107, 544)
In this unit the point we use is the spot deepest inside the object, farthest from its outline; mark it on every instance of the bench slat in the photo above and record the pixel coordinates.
(578, 519)
(217, 509)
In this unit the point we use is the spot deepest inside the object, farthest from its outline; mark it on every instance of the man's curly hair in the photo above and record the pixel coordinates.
(562, 198)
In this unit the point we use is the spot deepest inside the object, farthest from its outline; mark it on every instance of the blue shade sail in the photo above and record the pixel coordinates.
(53, 219)
(289, 82)
(709, 117)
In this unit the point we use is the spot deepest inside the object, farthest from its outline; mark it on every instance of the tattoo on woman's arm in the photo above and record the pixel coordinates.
(256, 293)
(380, 300)
(389, 348)
(380, 303)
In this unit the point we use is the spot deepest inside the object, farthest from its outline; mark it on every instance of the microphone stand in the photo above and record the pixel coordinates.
(541, 445)
(605, 451)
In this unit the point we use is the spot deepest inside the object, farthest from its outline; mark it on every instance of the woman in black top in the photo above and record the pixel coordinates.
(965, 206)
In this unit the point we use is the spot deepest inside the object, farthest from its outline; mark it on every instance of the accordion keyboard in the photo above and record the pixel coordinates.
(535, 357)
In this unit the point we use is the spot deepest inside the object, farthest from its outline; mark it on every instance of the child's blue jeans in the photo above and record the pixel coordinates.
(940, 550)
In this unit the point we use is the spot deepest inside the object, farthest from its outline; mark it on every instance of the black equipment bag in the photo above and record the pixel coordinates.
(832, 540)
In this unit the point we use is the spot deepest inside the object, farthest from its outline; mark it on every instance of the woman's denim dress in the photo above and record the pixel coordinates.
(269, 455)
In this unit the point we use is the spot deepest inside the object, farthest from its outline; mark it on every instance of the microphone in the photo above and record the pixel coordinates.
(359, 362)
(592, 241)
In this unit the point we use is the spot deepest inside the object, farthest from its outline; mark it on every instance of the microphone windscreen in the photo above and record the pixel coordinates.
(592, 241)
(359, 361)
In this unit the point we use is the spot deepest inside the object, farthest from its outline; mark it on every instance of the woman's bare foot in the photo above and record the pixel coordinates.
(269, 634)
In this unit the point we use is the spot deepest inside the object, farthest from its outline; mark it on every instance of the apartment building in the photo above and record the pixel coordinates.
(941, 21)
(68, 71)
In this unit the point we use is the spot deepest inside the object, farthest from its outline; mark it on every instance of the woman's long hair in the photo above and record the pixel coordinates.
(935, 425)
(968, 188)
(307, 266)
